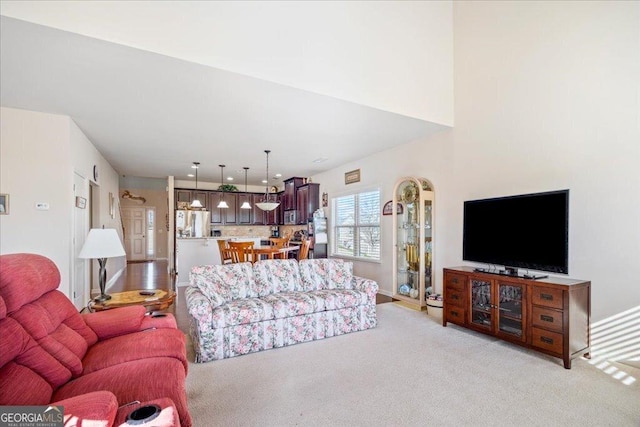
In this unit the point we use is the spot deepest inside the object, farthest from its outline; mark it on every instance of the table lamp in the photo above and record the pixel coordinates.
(102, 243)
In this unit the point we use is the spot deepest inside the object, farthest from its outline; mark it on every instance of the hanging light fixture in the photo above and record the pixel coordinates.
(246, 204)
(222, 204)
(267, 204)
(195, 203)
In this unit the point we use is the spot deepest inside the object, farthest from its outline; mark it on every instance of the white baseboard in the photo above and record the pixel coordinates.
(385, 292)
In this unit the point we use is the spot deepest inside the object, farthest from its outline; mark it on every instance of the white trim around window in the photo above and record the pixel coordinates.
(356, 230)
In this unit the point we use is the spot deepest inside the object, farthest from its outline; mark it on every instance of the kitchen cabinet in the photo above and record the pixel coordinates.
(307, 201)
(227, 216)
(245, 216)
(274, 217)
(257, 213)
(183, 197)
(289, 201)
(549, 315)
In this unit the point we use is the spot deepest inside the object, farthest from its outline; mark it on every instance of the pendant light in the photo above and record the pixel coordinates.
(267, 204)
(195, 203)
(222, 204)
(246, 204)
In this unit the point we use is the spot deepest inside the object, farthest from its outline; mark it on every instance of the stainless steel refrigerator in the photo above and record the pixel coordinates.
(192, 224)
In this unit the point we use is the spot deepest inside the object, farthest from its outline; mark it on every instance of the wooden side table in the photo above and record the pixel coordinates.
(160, 300)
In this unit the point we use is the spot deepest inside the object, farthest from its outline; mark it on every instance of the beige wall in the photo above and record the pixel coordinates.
(546, 97)
(39, 154)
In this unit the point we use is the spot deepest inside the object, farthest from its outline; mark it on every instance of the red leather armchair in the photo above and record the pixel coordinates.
(92, 364)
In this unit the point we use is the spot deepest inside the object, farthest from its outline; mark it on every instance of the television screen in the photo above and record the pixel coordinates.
(528, 231)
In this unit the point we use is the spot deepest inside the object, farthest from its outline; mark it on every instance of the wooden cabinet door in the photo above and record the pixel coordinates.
(273, 217)
(216, 214)
(302, 201)
(257, 213)
(182, 197)
(245, 216)
(203, 196)
(289, 196)
(511, 309)
(230, 213)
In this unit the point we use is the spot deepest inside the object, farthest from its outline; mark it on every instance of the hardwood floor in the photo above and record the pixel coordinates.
(155, 275)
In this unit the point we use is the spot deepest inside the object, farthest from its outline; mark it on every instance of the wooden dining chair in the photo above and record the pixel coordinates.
(242, 251)
(280, 242)
(303, 252)
(226, 256)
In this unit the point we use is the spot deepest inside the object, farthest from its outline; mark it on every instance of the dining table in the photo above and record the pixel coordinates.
(271, 251)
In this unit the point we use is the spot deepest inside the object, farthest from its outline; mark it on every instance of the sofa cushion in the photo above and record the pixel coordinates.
(223, 283)
(289, 304)
(241, 312)
(135, 346)
(318, 274)
(340, 298)
(276, 275)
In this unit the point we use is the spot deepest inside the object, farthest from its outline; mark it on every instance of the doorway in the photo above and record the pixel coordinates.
(135, 232)
(80, 286)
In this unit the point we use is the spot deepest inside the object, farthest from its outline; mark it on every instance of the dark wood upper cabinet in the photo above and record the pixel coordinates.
(289, 201)
(245, 216)
(257, 213)
(221, 216)
(307, 201)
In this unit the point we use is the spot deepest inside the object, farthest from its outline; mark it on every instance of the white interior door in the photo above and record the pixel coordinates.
(80, 280)
(135, 227)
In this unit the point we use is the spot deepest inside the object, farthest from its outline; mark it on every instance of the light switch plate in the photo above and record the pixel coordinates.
(41, 206)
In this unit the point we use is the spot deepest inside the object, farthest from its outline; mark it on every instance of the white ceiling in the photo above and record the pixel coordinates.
(152, 115)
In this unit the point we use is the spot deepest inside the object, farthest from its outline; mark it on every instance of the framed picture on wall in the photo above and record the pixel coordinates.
(352, 176)
(4, 204)
(387, 209)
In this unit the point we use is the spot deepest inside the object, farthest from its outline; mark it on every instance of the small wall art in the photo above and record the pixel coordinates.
(387, 209)
(4, 204)
(352, 176)
(81, 202)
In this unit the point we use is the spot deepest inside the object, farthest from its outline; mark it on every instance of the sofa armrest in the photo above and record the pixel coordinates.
(97, 408)
(368, 286)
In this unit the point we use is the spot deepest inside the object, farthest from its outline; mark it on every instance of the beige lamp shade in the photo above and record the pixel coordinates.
(102, 243)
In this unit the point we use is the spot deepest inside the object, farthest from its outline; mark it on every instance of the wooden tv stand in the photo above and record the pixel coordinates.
(550, 315)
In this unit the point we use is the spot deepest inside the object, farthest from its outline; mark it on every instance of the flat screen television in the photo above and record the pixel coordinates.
(529, 231)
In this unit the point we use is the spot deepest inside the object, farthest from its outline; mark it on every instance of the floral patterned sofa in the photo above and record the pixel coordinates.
(242, 308)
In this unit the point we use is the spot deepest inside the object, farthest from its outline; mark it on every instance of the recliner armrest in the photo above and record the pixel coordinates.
(97, 408)
(125, 320)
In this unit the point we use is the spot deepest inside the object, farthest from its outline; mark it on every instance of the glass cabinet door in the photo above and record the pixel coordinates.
(481, 313)
(428, 243)
(511, 310)
(412, 210)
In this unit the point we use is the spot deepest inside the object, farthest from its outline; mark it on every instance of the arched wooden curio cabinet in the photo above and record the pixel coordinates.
(413, 221)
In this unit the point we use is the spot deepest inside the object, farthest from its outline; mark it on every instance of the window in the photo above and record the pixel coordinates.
(356, 230)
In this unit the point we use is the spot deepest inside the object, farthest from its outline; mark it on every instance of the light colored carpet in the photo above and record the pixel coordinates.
(409, 371)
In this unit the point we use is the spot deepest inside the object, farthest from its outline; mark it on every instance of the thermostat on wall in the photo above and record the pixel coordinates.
(41, 206)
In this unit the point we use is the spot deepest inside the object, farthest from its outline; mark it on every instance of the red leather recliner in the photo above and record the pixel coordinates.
(93, 364)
